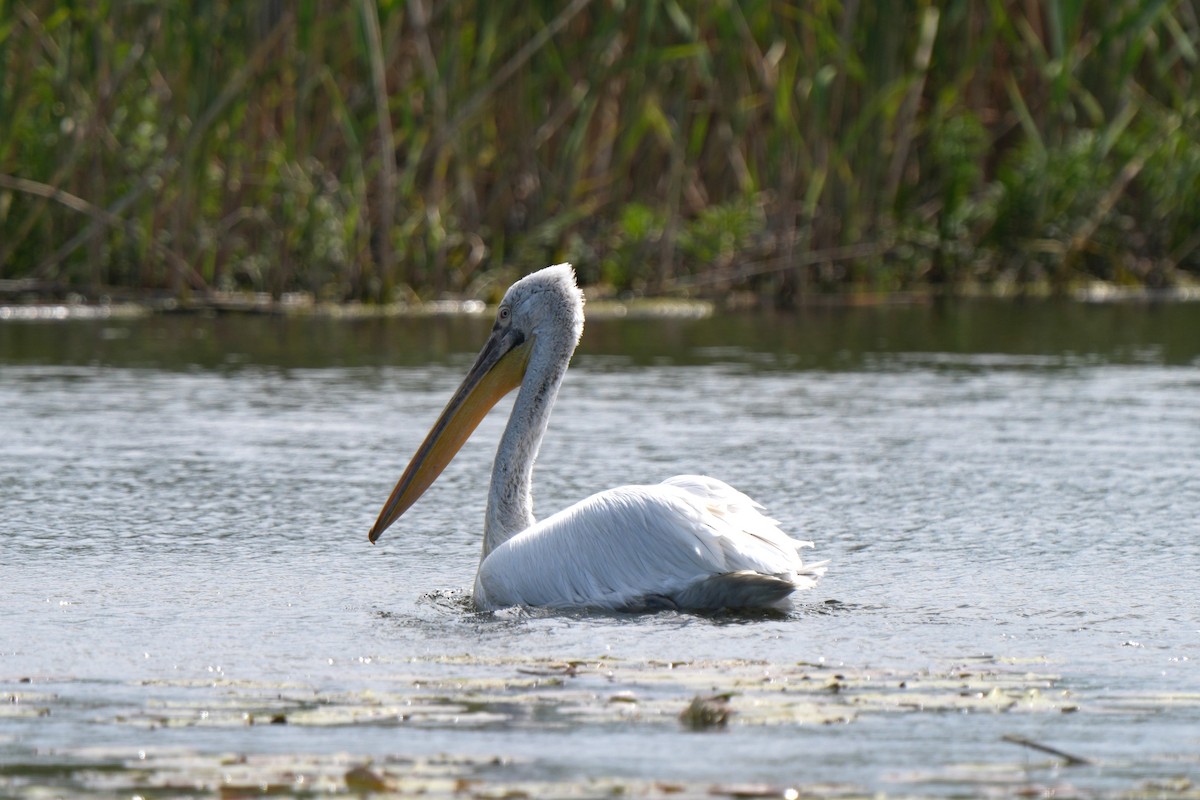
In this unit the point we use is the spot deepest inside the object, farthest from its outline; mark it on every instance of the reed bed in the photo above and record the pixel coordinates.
(379, 150)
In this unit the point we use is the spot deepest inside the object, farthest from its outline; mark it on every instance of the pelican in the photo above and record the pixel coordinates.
(689, 543)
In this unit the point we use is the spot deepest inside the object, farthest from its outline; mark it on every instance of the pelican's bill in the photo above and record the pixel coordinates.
(498, 370)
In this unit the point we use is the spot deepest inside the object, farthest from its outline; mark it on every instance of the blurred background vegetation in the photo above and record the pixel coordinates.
(386, 149)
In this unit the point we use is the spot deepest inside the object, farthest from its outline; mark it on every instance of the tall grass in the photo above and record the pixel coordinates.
(378, 149)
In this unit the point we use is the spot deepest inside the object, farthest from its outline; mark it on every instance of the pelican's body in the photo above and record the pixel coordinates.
(690, 542)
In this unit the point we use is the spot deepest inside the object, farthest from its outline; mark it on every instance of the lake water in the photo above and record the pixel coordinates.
(1008, 496)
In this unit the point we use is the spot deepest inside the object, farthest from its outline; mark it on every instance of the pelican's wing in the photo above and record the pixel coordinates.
(637, 545)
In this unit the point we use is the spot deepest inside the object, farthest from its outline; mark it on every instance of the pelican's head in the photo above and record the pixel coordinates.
(546, 303)
(545, 306)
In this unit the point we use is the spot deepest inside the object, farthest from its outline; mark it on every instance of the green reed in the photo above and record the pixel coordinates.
(374, 149)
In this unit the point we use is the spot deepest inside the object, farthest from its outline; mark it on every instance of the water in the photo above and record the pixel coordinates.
(1003, 492)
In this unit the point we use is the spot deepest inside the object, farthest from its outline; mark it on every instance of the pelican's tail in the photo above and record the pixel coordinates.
(737, 590)
(734, 591)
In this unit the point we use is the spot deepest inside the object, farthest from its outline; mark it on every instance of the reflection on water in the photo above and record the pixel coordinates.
(1031, 332)
(188, 500)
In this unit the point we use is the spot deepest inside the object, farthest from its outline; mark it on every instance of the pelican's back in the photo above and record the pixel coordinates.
(691, 542)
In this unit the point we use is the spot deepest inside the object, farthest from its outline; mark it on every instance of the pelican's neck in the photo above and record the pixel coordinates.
(510, 499)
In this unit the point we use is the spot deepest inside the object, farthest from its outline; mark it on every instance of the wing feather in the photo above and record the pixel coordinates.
(620, 546)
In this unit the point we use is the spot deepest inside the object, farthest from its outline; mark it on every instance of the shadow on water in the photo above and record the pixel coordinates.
(454, 606)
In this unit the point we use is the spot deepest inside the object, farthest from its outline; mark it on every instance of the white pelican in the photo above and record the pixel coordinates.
(690, 542)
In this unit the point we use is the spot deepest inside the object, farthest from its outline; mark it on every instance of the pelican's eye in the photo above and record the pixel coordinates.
(503, 314)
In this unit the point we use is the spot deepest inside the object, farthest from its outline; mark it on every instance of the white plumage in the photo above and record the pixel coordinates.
(691, 542)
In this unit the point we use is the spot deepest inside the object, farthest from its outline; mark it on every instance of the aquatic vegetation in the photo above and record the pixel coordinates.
(514, 694)
(384, 151)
